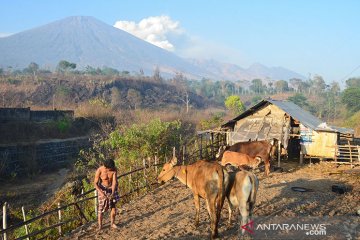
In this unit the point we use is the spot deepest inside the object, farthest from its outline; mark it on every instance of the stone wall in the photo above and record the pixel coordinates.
(42, 116)
(14, 114)
(32, 158)
(25, 114)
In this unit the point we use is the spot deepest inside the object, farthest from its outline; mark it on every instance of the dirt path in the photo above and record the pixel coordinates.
(32, 192)
(168, 212)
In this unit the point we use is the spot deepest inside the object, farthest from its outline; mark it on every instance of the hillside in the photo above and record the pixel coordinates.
(119, 92)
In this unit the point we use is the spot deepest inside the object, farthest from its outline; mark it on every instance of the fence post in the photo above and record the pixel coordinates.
(144, 164)
(26, 226)
(156, 168)
(212, 145)
(200, 146)
(149, 161)
(351, 165)
(59, 213)
(96, 202)
(5, 219)
(279, 153)
(183, 157)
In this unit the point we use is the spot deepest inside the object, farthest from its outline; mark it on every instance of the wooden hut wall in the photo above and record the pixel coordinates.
(266, 123)
(318, 144)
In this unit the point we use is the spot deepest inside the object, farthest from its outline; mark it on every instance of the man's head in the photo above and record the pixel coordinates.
(109, 163)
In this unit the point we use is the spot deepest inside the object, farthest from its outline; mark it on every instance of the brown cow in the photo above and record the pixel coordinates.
(207, 180)
(241, 194)
(264, 149)
(240, 159)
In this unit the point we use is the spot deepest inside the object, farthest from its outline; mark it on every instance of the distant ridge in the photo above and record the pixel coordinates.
(88, 41)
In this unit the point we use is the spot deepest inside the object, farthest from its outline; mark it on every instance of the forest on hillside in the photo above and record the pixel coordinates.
(110, 91)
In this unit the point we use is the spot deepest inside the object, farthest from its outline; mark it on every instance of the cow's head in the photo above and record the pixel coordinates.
(167, 171)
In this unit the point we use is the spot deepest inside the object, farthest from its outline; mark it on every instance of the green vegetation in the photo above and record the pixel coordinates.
(65, 66)
(133, 91)
(234, 104)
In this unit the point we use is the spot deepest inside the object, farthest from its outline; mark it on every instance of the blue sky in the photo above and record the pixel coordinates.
(309, 37)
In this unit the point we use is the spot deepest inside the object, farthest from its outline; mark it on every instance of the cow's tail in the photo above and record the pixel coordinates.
(222, 184)
(254, 187)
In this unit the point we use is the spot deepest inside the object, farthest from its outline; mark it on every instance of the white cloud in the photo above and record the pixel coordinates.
(154, 30)
(166, 33)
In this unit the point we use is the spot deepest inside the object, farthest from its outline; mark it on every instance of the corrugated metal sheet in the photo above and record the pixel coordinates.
(303, 116)
(297, 113)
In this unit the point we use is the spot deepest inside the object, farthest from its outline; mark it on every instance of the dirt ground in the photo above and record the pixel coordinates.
(168, 211)
(31, 192)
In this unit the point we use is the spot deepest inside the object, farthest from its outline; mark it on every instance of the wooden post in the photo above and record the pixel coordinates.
(26, 226)
(212, 146)
(301, 158)
(96, 202)
(336, 152)
(183, 155)
(201, 147)
(59, 213)
(144, 164)
(156, 168)
(4, 219)
(174, 152)
(196, 147)
(351, 160)
(130, 175)
(279, 153)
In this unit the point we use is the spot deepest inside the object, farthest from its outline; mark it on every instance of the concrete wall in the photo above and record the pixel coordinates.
(25, 114)
(14, 114)
(42, 116)
(32, 158)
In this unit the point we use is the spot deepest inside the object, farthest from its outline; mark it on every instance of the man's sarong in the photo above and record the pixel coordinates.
(106, 202)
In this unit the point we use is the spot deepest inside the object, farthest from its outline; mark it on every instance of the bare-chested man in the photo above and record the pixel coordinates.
(106, 185)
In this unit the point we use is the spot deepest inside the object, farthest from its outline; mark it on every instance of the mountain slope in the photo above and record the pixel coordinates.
(234, 72)
(88, 41)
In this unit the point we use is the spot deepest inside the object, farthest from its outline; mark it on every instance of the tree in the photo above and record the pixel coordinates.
(335, 88)
(300, 100)
(33, 68)
(257, 86)
(115, 97)
(65, 66)
(319, 84)
(281, 86)
(296, 84)
(351, 98)
(353, 83)
(234, 104)
(156, 76)
(134, 97)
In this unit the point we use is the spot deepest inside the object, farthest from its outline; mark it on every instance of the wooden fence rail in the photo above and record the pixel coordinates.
(6, 230)
(347, 154)
(190, 152)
